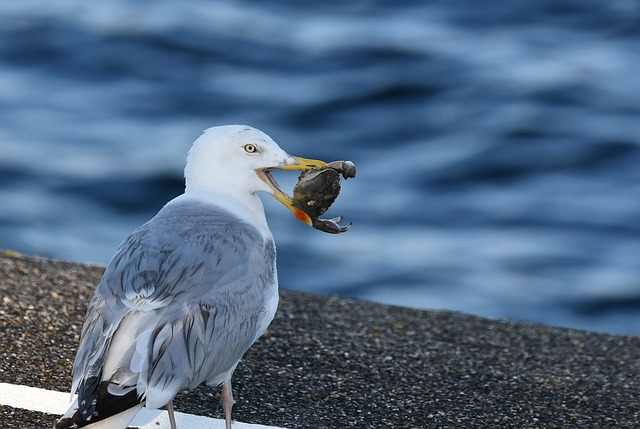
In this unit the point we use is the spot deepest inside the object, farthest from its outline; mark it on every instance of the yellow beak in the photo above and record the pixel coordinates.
(300, 164)
(303, 164)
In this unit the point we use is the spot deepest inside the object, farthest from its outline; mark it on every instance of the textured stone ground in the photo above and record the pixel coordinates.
(328, 362)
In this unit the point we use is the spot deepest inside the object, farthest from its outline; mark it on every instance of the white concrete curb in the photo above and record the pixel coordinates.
(56, 403)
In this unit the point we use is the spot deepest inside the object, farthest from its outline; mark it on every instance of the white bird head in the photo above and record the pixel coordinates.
(235, 161)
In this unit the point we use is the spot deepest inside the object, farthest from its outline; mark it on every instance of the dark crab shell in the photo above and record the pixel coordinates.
(317, 189)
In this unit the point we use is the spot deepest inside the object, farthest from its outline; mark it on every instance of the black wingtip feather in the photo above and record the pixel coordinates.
(102, 407)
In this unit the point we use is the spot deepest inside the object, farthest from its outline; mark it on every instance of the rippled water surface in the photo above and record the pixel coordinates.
(498, 145)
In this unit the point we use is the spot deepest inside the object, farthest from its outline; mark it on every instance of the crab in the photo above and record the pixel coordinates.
(317, 189)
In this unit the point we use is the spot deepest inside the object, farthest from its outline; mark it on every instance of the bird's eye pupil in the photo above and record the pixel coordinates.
(250, 148)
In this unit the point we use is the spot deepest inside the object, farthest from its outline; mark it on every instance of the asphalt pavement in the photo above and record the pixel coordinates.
(328, 362)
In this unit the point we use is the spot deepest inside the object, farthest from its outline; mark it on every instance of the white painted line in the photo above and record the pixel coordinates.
(56, 403)
(33, 399)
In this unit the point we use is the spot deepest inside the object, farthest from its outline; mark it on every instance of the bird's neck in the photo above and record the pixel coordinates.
(246, 206)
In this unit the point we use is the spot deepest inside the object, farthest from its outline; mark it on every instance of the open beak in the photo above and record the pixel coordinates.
(298, 164)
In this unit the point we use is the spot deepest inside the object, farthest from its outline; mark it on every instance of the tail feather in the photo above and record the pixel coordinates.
(117, 421)
(106, 410)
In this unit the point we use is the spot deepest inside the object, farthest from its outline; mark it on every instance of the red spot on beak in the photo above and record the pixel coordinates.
(301, 216)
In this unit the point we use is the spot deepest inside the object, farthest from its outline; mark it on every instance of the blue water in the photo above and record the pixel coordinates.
(497, 144)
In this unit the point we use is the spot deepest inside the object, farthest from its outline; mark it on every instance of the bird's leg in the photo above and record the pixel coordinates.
(172, 418)
(226, 399)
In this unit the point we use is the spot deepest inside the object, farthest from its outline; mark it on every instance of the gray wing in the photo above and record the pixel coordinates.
(182, 300)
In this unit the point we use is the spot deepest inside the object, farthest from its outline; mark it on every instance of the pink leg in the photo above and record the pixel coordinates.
(226, 399)
(172, 418)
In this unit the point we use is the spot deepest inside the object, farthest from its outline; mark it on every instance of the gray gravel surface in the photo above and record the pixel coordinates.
(329, 362)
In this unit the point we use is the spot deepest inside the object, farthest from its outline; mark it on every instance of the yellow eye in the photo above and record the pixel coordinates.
(250, 148)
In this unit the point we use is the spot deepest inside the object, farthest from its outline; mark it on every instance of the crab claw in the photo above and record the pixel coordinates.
(346, 168)
(331, 225)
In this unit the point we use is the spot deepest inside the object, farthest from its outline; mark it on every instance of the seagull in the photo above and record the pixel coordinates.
(188, 292)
